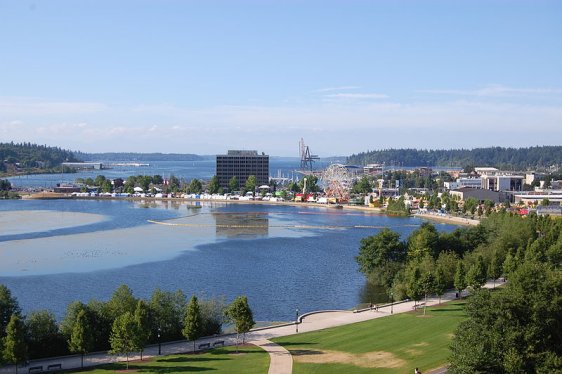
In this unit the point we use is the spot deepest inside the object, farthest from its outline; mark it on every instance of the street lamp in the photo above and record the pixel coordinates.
(297, 320)
(159, 345)
(391, 302)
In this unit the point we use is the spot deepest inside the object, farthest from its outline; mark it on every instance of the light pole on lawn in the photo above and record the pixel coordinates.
(297, 320)
(159, 345)
(391, 303)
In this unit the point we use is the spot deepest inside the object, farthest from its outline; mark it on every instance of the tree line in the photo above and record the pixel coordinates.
(121, 325)
(517, 329)
(503, 158)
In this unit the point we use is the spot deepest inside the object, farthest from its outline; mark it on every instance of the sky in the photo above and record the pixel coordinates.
(347, 76)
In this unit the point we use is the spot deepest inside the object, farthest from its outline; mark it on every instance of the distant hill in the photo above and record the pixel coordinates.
(15, 157)
(128, 156)
(503, 158)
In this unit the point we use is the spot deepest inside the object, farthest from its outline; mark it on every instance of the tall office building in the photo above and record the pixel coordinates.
(242, 164)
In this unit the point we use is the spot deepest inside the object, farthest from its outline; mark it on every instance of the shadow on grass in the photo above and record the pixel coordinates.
(169, 369)
(289, 344)
(450, 309)
(192, 358)
(305, 352)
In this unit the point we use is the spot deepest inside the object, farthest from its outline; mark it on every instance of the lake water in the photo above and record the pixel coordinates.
(281, 257)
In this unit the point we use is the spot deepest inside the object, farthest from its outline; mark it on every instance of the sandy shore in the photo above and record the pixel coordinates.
(448, 219)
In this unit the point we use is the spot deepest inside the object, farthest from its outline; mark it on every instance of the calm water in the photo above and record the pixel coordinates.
(186, 170)
(280, 257)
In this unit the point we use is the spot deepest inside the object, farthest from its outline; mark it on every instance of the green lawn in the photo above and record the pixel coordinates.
(250, 359)
(395, 344)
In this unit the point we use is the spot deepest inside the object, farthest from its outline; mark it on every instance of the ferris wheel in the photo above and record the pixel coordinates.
(337, 182)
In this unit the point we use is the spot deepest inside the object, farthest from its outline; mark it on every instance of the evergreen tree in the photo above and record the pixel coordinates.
(476, 276)
(15, 348)
(192, 322)
(233, 184)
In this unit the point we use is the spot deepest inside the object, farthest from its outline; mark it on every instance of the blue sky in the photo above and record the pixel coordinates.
(347, 76)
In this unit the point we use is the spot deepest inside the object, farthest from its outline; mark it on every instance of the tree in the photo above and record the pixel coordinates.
(123, 338)
(192, 322)
(251, 184)
(424, 241)
(240, 314)
(414, 287)
(8, 307)
(173, 183)
(43, 335)
(375, 250)
(495, 268)
(81, 340)
(362, 185)
(233, 184)
(122, 301)
(311, 184)
(167, 312)
(440, 282)
(142, 321)
(195, 186)
(476, 276)
(15, 349)
(460, 277)
(212, 315)
(427, 284)
(214, 185)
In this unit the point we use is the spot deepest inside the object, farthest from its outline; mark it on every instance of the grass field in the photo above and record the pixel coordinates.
(250, 359)
(395, 344)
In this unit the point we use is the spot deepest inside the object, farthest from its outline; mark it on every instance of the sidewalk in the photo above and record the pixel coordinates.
(308, 322)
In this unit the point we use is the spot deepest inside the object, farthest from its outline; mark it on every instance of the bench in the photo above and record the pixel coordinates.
(420, 305)
(36, 369)
(218, 342)
(205, 346)
(54, 367)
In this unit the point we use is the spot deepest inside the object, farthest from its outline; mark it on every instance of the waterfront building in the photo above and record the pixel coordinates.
(241, 164)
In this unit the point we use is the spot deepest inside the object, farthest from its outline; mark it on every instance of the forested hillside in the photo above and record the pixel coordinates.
(19, 156)
(503, 158)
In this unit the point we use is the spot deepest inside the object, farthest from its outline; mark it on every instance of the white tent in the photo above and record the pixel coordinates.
(138, 189)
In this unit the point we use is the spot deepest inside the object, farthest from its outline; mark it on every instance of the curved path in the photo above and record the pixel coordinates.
(281, 362)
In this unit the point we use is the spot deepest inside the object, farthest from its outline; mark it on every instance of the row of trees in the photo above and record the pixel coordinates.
(122, 325)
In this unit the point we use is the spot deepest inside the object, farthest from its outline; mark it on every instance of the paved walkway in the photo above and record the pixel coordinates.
(308, 322)
(281, 361)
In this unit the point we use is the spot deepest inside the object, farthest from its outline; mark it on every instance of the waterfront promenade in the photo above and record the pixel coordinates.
(281, 362)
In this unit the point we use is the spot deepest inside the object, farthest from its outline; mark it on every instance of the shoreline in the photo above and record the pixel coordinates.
(432, 217)
(448, 219)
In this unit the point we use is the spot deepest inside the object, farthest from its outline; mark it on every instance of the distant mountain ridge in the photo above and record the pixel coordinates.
(133, 156)
(507, 158)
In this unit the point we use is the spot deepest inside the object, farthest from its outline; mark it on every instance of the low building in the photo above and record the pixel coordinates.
(479, 194)
(502, 182)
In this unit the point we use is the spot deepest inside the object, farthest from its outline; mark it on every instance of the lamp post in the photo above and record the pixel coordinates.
(159, 345)
(391, 303)
(297, 320)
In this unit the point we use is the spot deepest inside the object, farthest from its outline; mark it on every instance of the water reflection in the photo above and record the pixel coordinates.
(241, 225)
